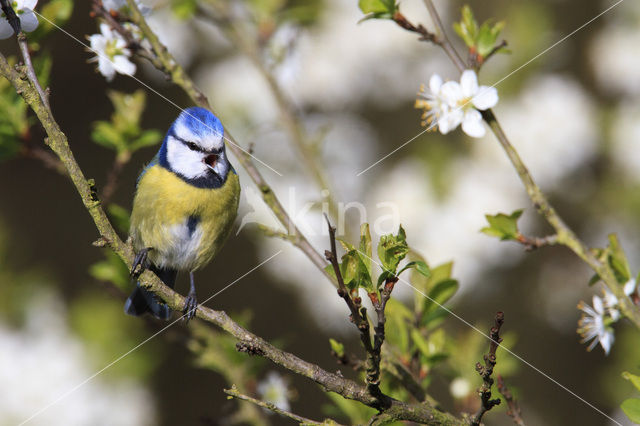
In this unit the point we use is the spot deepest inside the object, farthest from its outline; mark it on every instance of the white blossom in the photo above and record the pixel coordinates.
(274, 390)
(112, 53)
(118, 5)
(451, 104)
(592, 325)
(24, 11)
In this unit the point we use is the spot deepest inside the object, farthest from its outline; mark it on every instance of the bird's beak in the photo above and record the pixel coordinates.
(211, 160)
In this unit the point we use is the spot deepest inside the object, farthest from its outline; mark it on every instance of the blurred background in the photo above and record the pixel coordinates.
(573, 114)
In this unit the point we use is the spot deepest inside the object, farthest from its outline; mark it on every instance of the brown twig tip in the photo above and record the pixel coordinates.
(514, 408)
(533, 243)
(425, 35)
(486, 370)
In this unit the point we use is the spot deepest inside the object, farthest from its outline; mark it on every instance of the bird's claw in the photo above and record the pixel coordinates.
(141, 261)
(190, 307)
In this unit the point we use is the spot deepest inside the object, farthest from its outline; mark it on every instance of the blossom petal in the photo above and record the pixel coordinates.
(27, 4)
(5, 29)
(435, 83)
(106, 68)
(105, 29)
(98, 43)
(487, 97)
(123, 65)
(28, 21)
(606, 341)
(598, 306)
(469, 83)
(451, 93)
(472, 124)
(629, 287)
(449, 120)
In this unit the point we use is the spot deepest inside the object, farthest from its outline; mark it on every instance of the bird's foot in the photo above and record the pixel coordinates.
(190, 306)
(141, 261)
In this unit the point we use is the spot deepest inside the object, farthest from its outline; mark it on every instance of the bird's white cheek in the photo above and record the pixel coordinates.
(185, 161)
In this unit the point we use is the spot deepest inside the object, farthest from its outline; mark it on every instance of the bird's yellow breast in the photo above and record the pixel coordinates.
(184, 225)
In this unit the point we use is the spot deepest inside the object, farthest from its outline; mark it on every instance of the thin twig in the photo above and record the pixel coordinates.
(358, 316)
(533, 243)
(514, 407)
(379, 304)
(45, 157)
(112, 177)
(486, 403)
(271, 407)
(445, 43)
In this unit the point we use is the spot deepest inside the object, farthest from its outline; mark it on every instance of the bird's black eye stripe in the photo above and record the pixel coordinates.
(194, 146)
(191, 145)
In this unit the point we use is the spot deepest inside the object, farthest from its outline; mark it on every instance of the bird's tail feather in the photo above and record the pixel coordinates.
(142, 301)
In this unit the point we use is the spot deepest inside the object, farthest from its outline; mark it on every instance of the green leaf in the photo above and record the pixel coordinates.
(467, 28)
(392, 249)
(105, 134)
(635, 380)
(423, 285)
(184, 9)
(119, 216)
(112, 269)
(419, 266)
(594, 279)
(503, 226)
(365, 246)
(481, 39)
(631, 408)
(618, 260)
(354, 272)
(337, 347)
(398, 317)
(440, 294)
(147, 138)
(420, 342)
(377, 6)
(488, 37)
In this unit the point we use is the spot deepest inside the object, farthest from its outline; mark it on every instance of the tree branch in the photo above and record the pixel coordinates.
(514, 408)
(487, 370)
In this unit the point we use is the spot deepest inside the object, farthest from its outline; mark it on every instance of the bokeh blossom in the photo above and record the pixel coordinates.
(274, 390)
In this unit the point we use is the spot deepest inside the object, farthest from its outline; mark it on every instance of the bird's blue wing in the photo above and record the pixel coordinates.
(147, 167)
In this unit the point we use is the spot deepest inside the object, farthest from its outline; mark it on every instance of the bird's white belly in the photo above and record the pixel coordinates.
(182, 253)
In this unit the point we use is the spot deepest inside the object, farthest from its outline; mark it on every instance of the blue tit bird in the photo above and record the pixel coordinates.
(185, 204)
